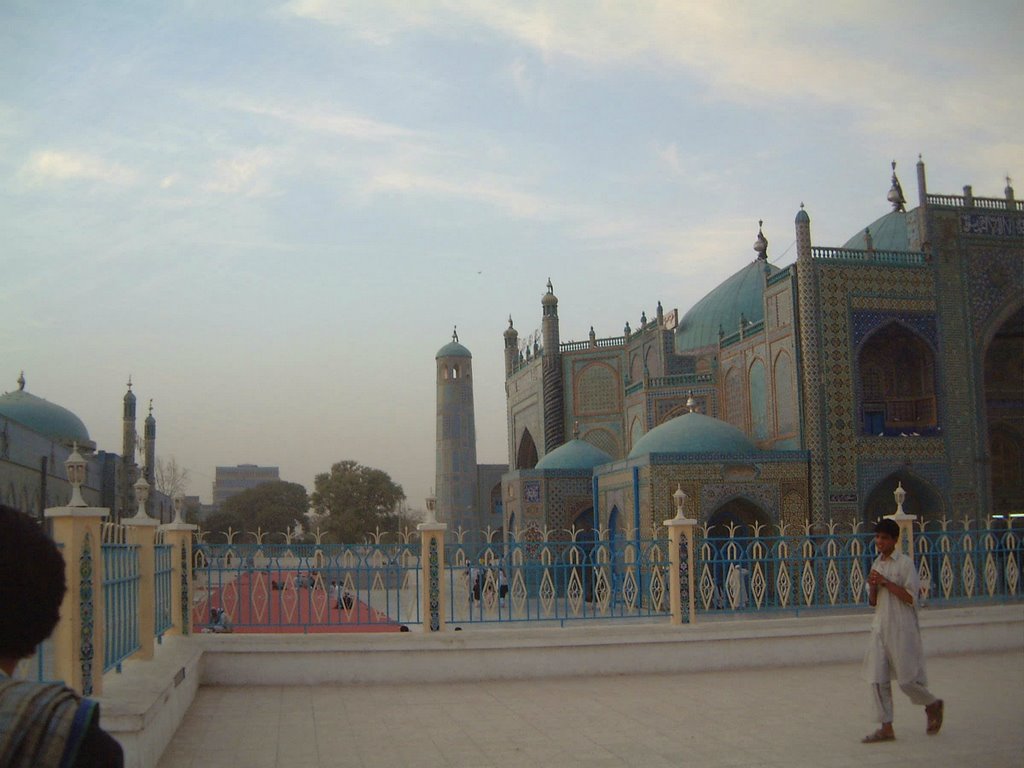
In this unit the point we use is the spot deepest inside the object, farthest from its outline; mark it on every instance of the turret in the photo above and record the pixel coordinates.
(554, 427)
(149, 437)
(455, 475)
(511, 347)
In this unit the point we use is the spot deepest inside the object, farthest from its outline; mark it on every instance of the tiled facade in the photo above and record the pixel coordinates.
(868, 368)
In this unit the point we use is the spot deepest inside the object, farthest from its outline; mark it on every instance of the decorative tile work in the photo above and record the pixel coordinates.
(684, 581)
(865, 322)
(85, 606)
(186, 624)
(434, 585)
(597, 389)
(995, 281)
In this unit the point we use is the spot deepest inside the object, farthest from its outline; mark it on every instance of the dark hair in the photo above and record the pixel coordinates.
(887, 526)
(31, 583)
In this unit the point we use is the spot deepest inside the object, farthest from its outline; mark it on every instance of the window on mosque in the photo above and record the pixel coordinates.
(896, 384)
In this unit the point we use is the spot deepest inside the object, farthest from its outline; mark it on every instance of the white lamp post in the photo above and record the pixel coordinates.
(141, 496)
(179, 505)
(431, 508)
(76, 467)
(680, 499)
(900, 495)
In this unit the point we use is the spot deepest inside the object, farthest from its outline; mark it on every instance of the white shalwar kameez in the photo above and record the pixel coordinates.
(894, 649)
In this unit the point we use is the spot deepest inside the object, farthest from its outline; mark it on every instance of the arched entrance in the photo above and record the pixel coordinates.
(526, 456)
(1004, 402)
(896, 381)
(730, 555)
(922, 500)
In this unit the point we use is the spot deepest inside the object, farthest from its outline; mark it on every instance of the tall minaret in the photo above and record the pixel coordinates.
(150, 468)
(456, 438)
(554, 419)
(129, 469)
(511, 347)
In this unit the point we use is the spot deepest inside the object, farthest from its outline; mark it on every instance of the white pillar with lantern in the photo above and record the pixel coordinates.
(433, 586)
(905, 521)
(682, 599)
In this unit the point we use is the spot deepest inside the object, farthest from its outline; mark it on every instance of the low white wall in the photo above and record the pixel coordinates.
(481, 654)
(143, 706)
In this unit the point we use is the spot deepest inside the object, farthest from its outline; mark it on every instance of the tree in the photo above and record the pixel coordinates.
(171, 478)
(275, 507)
(356, 500)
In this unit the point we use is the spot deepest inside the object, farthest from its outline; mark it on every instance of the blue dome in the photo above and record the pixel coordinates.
(741, 294)
(693, 433)
(576, 454)
(44, 417)
(888, 233)
(452, 349)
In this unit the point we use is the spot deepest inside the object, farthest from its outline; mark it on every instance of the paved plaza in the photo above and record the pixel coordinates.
(811, 716)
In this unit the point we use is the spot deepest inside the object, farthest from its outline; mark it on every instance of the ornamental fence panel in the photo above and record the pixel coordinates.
(162, 594)
(120, 595)
(293, 587)
(828, 571)
(542, 579)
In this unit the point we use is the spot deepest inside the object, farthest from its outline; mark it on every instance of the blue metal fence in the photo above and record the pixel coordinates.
(120, 596)
(292, 587)
(162, 585)
(578, 578)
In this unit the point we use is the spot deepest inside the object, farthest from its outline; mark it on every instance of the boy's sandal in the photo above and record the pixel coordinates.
(934, 713)
(877, 736)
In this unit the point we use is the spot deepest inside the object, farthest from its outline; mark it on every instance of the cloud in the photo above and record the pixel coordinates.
(241, 173)
(349, 125)
(47, 165)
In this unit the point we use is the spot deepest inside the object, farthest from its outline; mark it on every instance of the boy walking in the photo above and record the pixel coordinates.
(894, 649)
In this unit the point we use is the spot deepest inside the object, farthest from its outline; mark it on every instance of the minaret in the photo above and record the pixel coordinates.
(554, 426)
(455, 480)
(811, 383)
(150, 468)
(129, 469)
(511, 347)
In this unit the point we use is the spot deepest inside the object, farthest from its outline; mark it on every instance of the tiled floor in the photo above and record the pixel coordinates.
(811, 716)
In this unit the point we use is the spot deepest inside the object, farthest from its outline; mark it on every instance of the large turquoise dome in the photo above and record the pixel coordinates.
(740, 295)
(694, 433)
(576, 454)
(888, 233)
(44, 417)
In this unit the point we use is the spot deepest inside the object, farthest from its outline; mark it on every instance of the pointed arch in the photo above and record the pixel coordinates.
(922, 500)
(785, 395)
(526, 454)
(1004, 402)
(896, 382)
(758, 378)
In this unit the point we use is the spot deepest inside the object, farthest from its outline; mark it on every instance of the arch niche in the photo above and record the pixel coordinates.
(1004, 402)
(896, 377)
(526, 456)
(730, 568)
(922, 499)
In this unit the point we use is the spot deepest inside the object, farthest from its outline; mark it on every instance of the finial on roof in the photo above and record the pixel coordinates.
(643, 318)
(551, 288)
(761, 243)
(151, 406)
(576, 430)
(455, 332)
(21, 381)
(895, 196)
(129, 382)
(869, 243)
(691, 404)
(1009, 186)
(510, 321)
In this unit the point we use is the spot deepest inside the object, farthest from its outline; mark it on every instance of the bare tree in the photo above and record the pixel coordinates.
(171, 477)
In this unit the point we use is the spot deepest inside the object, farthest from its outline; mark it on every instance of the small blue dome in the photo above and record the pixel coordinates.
(888, 233)
(740, 295)
(694, 433)
(452, 349)
(44, 417)
(576, 454)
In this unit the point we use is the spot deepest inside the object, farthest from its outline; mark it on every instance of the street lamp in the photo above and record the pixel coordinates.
(680, 499)
(76, 466)
(900, 495)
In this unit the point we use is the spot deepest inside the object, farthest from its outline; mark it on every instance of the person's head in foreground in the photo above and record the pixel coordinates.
(41, 724)
(887, 533)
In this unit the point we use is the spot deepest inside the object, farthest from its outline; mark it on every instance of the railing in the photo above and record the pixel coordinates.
(263, 587)
(905, 258)
(676, 380)
(120, 596)
(162, 592)
(959, 201)
(829, 571)
(578, 578)
(579, 346)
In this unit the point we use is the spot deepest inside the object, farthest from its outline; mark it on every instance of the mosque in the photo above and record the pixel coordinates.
(793, 395)
(37, 436)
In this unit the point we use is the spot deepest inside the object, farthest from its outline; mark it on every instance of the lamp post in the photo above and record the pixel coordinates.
(76, 467)
(680, 498)
(681, 582)
(900, 495)
(141, 496)
(431, 507)
(179, 504)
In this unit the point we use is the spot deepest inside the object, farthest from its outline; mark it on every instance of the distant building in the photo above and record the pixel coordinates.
(229, 481)
(36, 438)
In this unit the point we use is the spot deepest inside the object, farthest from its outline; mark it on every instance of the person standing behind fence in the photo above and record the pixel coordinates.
(895, 646)
(41, 724)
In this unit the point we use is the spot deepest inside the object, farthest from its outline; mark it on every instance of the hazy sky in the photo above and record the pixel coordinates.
(271, 214)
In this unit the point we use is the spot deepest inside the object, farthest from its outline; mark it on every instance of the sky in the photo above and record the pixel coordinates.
(271, 214)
